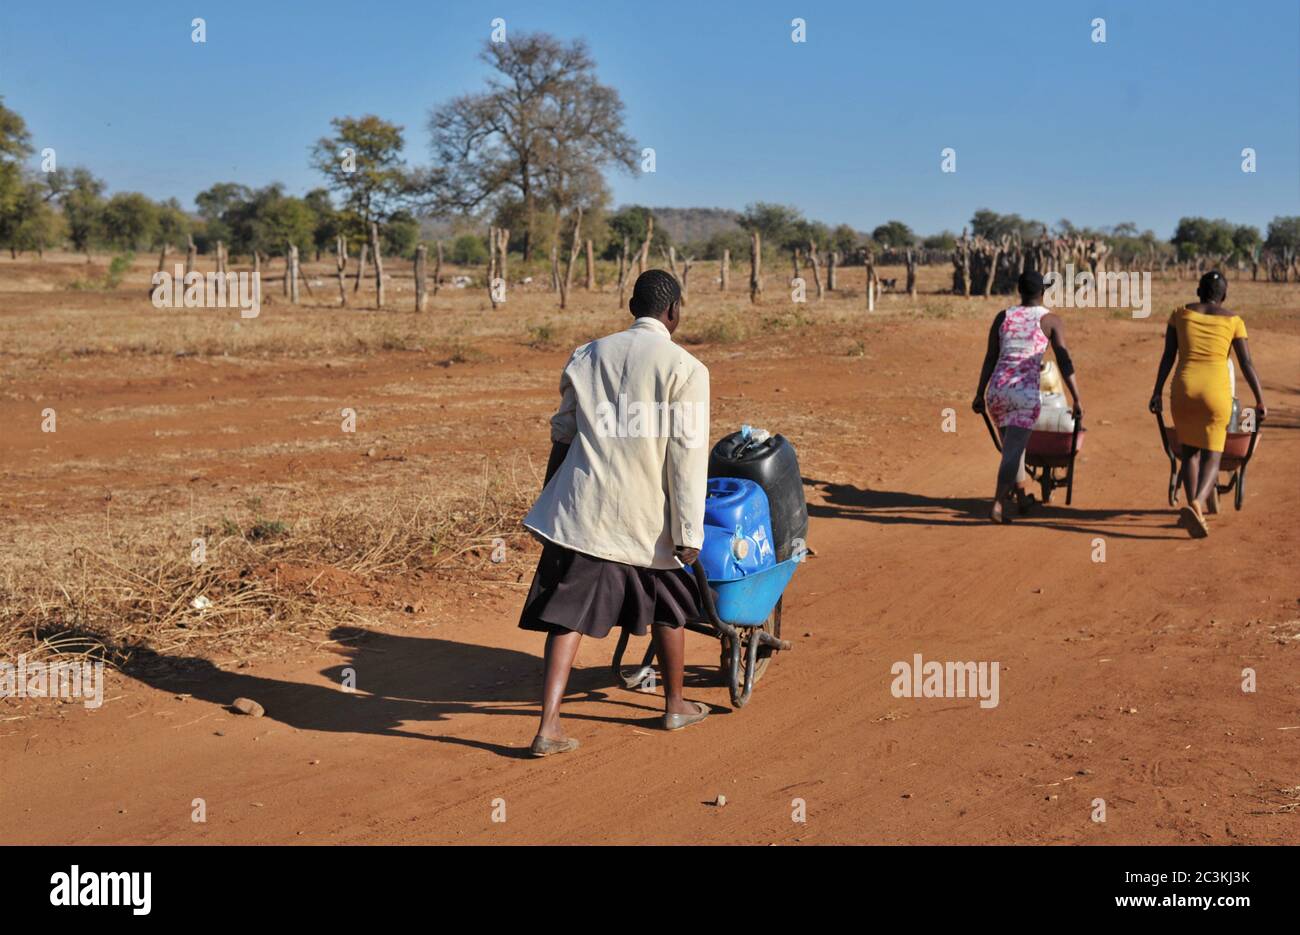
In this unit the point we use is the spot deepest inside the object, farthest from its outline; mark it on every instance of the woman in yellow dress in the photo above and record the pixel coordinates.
(1202, 335)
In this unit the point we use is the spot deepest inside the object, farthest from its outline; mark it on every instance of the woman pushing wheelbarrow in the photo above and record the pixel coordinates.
(1201, 335)
(622, 511)
(1009, 389)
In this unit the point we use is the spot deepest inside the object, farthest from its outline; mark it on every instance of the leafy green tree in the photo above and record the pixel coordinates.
(130, 221)
(944, 240)
(845, 239)
(773, 222)
(986, 223)
(174, 225)
(31, 224)
(1246, 242)
(214, 205)
(469, 250)
(401, 235)
(631, 222)
(894, 234)
(329, 222)
(81, 197)
(362, 163)
(1197, 236)
(15, 145)
(1284, 234)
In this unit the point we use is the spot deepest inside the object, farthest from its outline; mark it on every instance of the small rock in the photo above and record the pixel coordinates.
(907, 795)
(248, 706)
(720, 801)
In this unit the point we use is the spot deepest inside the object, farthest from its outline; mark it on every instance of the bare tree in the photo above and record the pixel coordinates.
(541, 131)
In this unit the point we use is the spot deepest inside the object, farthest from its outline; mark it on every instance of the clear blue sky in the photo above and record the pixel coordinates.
(848, 126)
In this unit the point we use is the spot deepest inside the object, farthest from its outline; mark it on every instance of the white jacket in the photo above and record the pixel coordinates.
(634, 409)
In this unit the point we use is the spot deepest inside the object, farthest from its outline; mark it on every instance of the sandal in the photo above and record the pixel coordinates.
(1190, 518)
(678, 721)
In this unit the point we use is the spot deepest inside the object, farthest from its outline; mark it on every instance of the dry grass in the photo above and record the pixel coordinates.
(261, 578)
(292, 558)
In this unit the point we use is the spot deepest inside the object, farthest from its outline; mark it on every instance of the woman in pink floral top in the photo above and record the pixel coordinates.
(1008, 386)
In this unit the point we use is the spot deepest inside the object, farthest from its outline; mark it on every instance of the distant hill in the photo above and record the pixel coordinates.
(692, 225)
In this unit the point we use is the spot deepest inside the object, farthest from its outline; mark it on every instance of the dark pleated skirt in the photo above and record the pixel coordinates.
(573, 591)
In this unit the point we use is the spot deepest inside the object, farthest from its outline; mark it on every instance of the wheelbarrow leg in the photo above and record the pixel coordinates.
(637, 678)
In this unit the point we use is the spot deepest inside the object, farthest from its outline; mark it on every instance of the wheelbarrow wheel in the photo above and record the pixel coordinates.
(771, 625)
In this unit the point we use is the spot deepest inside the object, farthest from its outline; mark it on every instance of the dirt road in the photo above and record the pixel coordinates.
(1120, 680)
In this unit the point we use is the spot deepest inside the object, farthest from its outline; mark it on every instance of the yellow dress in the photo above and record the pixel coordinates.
(1201, 397)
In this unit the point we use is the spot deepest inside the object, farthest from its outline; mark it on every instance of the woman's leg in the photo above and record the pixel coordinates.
(561, 649)
(1208, 470)
(670, 646)
(1190, 472)
(1014, 442)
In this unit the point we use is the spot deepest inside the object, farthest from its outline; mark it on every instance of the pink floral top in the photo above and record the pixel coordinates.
(1012, 396)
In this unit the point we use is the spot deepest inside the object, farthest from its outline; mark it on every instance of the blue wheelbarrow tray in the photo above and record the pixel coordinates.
(747, 601)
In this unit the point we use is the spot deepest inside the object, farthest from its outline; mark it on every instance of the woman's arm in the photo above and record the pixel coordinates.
(559, 450)
(1242, 347)
(990, 361)
(1162, 372)
(1054, 328)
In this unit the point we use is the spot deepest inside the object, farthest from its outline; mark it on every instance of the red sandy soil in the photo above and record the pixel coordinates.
(1119, 680)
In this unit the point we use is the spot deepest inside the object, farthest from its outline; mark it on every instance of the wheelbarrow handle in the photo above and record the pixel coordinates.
(993, 433)
(706, 600)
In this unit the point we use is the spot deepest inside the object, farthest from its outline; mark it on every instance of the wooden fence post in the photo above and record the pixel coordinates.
(817, 269)
(755, 267)
(361, 265)
(591, 266)
(292, 269)
(832, 263)
(341, 260)
(622, 272)
(379, 264)
(724, 270)
(421, 270)
(567, 282)
(437, 270)
(870, 264)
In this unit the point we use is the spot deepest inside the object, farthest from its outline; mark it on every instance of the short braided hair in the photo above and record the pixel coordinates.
(654, 292)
